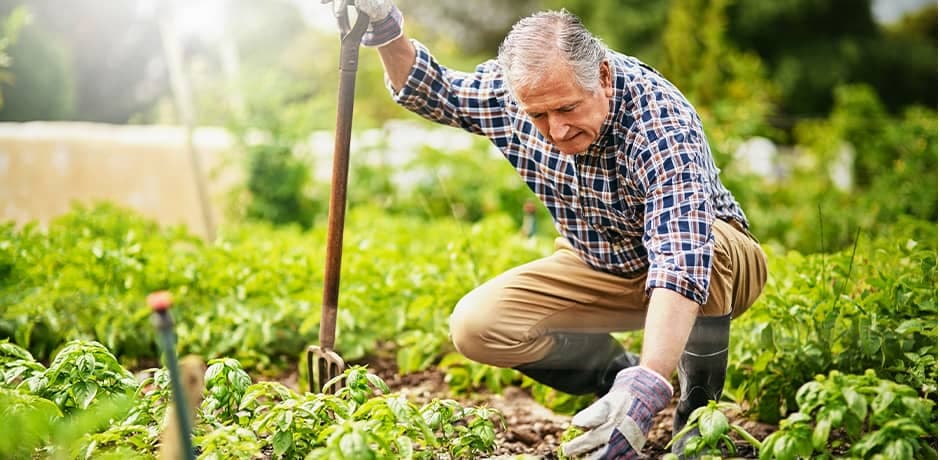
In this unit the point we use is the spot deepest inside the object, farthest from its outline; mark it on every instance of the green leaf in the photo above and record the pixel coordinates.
(282, 442)
(8, 349)
(832, 413)
(399, 407)
(899, 448)
(803, 447)
(856, 402)
(405, 448)
(821, 434)
(767, 336)
(353, 445)
(713, 424)
(768, 447)
(212, 372)
(881, 402)
(85, 393)
(377, 382)
(693, 446)
(809, 396)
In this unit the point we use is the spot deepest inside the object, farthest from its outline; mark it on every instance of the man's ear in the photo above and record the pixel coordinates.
(607, 78)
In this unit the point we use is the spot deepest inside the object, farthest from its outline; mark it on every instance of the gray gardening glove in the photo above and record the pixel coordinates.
(385, 21)
(618, 423)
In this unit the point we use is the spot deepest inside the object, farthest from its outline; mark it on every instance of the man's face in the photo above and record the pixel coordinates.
(569, 116)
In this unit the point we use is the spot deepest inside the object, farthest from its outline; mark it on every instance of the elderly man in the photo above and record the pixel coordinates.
(650, 238)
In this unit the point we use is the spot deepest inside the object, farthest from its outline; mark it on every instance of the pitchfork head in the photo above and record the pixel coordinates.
(324, 365)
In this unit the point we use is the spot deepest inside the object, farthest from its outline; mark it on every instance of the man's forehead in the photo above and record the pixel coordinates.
(549, 93)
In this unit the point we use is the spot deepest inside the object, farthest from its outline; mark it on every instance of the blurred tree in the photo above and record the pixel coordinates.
(811, 46)
(10, 32)
(93, 60)
(38, 82)
(902, 64)
(920, 24)
(728, 86)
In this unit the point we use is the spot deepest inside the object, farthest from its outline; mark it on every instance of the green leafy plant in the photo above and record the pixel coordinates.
(570, 433)
(714, 431)
(226, 383)
(878, 418)
(139, 431)
(80, 372)
(229, 442)
(844, 312)
(463, 440)
(277, 186)
(17, 365)
(33, 418)
(362, 420)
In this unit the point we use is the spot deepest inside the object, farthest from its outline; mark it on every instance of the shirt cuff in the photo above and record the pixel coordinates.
(418, 82)
(679, 281)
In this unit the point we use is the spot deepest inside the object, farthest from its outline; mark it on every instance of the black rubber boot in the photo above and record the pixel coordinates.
(581, 363)
(702, 370)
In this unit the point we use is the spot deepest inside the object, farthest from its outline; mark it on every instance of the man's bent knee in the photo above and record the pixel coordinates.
(481, 336)
(467, 329)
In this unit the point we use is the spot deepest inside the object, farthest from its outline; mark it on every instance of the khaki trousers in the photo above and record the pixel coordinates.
(505, 322)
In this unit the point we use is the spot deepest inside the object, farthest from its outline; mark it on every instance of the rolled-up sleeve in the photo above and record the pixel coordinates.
(679, 215)
(473, 101)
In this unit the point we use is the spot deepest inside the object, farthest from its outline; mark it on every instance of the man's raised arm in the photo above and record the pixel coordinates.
(386, 33)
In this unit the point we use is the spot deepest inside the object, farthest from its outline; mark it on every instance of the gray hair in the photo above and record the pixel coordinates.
(536, 42)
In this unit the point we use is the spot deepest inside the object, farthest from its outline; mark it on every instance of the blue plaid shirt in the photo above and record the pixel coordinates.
(644, 195)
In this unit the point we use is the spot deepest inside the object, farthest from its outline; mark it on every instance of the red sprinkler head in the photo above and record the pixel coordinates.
(160, 301)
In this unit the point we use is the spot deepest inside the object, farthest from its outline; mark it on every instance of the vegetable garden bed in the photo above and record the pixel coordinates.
(837, 358)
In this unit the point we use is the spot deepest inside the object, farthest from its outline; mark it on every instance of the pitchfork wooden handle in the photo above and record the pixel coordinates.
(348, 64)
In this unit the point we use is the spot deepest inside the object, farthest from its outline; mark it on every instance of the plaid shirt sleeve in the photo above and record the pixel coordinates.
(471, 101)
(679, 213)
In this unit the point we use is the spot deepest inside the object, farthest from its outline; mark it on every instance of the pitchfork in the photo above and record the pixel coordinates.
(324, 364)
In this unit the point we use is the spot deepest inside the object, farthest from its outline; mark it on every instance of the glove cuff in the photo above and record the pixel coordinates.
(650, 389)
(385, 30)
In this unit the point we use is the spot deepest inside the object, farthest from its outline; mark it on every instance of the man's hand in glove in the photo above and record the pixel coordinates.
(618, 423)
(385, 21)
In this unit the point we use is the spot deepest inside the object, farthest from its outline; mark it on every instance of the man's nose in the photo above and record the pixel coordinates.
(557, 127)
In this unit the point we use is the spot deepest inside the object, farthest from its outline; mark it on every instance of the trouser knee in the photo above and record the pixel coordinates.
(474, 335)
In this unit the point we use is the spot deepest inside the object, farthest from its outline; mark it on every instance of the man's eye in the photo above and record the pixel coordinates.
(567, 108)
(536, 116)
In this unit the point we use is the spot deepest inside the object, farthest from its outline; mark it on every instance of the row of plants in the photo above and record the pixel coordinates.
(839, 416)
(872, 306)
(86, 405)
(253, 296)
